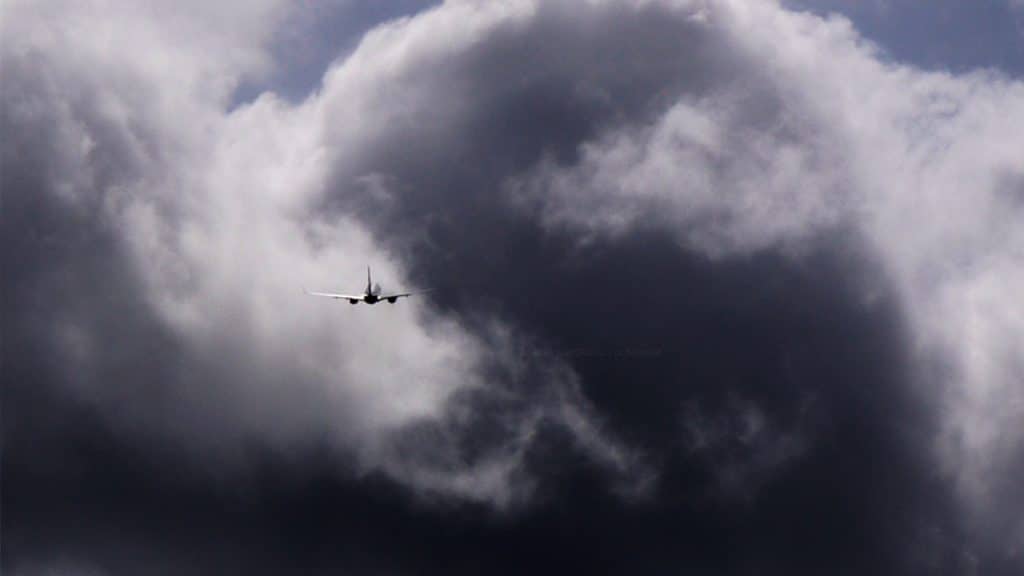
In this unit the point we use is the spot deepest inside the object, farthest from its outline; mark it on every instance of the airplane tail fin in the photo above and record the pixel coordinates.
(369, 284)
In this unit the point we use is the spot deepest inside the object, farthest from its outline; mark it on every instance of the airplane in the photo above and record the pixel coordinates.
(371, 295)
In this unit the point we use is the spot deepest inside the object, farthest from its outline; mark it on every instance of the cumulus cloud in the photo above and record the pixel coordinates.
(214, 210)
(738, 128)
(827, 135)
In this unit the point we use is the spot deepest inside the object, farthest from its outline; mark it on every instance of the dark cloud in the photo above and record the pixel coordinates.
(742, 413)
(634, 312)
(651, 328)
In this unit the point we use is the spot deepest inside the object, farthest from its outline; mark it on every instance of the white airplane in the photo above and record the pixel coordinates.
(372, 295)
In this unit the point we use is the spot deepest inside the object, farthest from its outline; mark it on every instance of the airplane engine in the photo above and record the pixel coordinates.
(392, 300)
(352, 300)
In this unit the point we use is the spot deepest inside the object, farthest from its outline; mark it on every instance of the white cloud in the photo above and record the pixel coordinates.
(216, 209)
(928, 167)
(817, 133)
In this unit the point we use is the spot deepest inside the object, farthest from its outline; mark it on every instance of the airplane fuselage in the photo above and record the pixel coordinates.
(372, 298)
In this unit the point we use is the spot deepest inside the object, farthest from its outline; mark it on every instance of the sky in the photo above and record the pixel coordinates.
(717, 287)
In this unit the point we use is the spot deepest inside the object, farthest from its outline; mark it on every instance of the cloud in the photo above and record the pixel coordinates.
(213, 212)
(743, 447)
(562, 173)
(826, 136)
(58, 569)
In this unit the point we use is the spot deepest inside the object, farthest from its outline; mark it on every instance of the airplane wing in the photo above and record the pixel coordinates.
(401, 295)
(338, 296)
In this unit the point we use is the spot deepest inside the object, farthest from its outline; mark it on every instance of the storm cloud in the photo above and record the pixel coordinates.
(716, 277)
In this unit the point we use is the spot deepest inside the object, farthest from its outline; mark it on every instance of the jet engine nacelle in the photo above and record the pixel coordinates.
(392, 300)
(352, 300)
